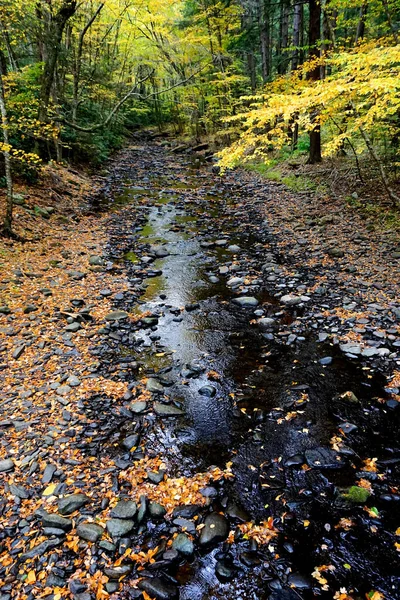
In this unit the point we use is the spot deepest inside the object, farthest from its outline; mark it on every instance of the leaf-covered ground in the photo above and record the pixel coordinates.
(94, 505)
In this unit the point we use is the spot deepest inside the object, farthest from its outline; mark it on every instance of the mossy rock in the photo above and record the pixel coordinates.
(357, 495)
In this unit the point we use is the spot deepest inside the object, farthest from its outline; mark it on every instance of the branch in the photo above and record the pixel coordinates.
(125, 98)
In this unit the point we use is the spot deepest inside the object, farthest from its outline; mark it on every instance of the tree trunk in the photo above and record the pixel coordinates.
(265, 38)
(284, 37)
(52, 44)
(314, 75)
(297, 27)
(361, 23)
(7, 221)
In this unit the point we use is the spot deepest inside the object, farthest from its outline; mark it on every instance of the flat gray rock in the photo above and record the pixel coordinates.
(6, 465)
(120, 527)
(70, 504)
(246, 301)
(89, 532)
(167, 410)
(125, 509)
(216, 530)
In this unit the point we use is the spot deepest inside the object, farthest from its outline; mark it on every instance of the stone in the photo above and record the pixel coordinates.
(159, 588)
(207, 390)
(266, 323)
(131, 441)
(56, 521)
(154, 386)
(120, 527)
(117, 572)
(290, 300)
(235, 281)
(167, 410)
(96, 261)
(70, 504)
(116, 315)
(157, 511)
(299, 582)
(6, 465)
(324, 458)
(216, 530)
(350, 397)
(89, 532)
(246, 301)
(183, 544)
(125, 509)
(138, 407)
(224, 570)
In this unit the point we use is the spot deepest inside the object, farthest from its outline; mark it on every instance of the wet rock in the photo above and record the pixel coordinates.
(351, 348)
(48, 473)
(246, 301)
(324, 458)
(131, 441)
(224, 570)
(234, 248)
(266, 323)
(6, 465)
(350, 397)
(294, 461)
(56, 521)
(154, 386)
(290, 300)
(70, 504)
(40, 549)
(348, 427)
(167, 410)
(157, 511)
(89, 532)
(235, 281)
(299, 582)
(183, 544)
(236, 512)
(120, 527)
(158, 588)
(125, 509)
(216, 530)
(117, 572)
(283, 595)
(116, 315)
(18, 351)
(187, 511)
(208, 390)
(138, 407)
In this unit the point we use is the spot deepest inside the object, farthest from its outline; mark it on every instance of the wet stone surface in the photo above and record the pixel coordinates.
(221, 343)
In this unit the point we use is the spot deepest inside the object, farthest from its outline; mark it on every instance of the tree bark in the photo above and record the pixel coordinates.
(265, 38)
(7, 221)
(315, 155)
(284, 57)
(297, 26)
(52, 44)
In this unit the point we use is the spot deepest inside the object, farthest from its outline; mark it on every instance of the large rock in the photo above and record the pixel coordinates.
(70, 504)
(125, 509)
(89, 532)
(6, 465)
(324, 458)
(183, 544)
(290, 300)
(167, 410)
(120, 527)
(154, 386)
(159, 588)
(131, 441)
(116, 315)
(216, 530)
(246, 301)
(56, 521)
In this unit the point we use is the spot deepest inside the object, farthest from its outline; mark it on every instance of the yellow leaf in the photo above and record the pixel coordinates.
(50, 489)
(31, 577)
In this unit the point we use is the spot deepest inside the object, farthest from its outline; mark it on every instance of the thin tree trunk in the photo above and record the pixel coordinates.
(78, 62)
(52, 47)
(11, 55)
(361, 23)
(296, 39)
(8, 217)
(315, 155)
(265, 38)
(284, 37)
(368, 142)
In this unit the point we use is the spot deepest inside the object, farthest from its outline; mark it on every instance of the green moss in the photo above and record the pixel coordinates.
(356, 494)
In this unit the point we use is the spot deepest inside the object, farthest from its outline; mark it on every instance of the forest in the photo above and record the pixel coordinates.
(266, 80)
(199, 299)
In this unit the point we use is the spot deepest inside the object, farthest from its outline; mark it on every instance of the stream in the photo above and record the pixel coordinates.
(247, 380)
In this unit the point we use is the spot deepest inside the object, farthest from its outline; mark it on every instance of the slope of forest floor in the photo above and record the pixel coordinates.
(115, 483)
